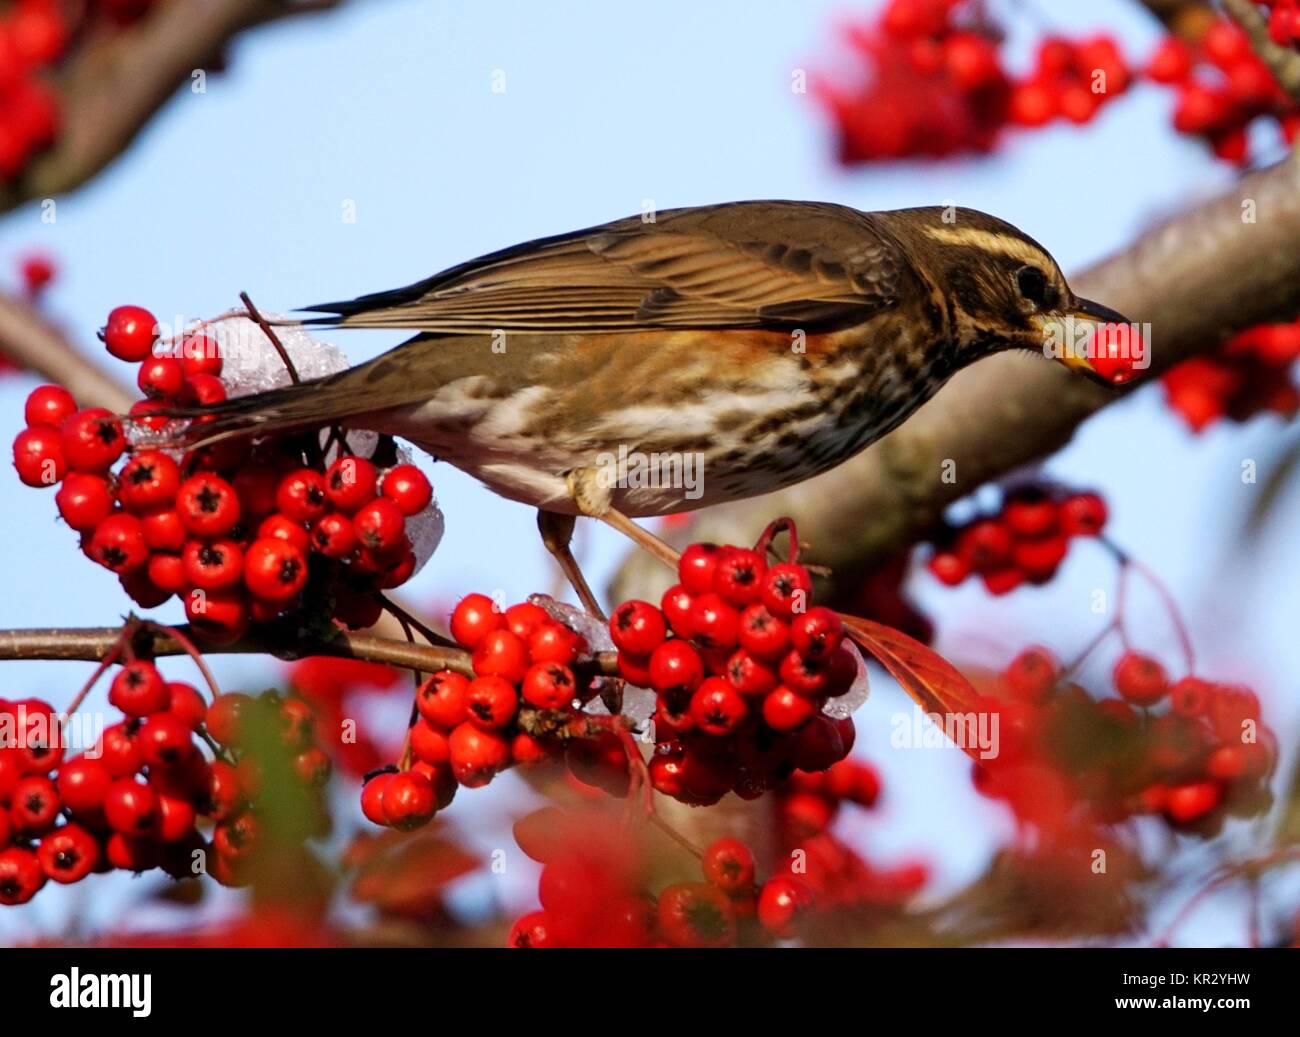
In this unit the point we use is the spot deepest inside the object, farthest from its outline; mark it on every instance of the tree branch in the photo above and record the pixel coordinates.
(92, 644)
(29, 339)
(1283, 62)
(1195, 280)
(115, 83)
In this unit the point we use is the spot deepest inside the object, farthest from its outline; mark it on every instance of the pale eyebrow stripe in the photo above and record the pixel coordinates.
(985, 239)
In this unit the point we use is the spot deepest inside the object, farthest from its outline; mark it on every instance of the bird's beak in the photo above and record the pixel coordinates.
(1067, 338)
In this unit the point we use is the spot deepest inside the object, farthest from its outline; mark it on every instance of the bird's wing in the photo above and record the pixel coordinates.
(740, 265)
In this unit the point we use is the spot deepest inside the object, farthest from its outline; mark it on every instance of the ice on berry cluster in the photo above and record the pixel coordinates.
(251, 364)
(846, 705)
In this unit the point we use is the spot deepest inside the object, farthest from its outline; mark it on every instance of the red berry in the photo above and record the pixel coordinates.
(201, 356)
(717, 707)
(161, 378)
(274, 570)
(21, 876)
(948, 567)
(492, 700)
(118, 543)
(167, 573)
(549, 686)
(82, 784)
(473, 619)
(1032, 674)
(163, 530)
(408, 801)
(782, 901)
(281, 527)
(372, 796)
(693, 914)
(207, 505)
(817, 633)
(350, 482)
(148, 482)
(1187, 803)
(333, 535)
(729, 865)
(131, 807)
(675, 668)
(84, 500)
(1140, 679)
(785, 711)
(749, 676)
(697, 566)
(1171, 61)
(637, 627)
(1030, 513)
(92, 440)
(808, 677)
(525, 619)
(714, 623)
(380, 525)
(441, 699)
(738, 577)
(185, 702)
(49, 405)
(302, 495)
(534, 929)
(1190, 697)
(218, 616)
(130, 333)
(36, 804)
(1083, 514)
(139, 690)
(676, 606)
(476, 755)
(68, 854)
(408, 488)
(164, 740)
(38, 456)
(787, 589)
(985, 545)
(500, 653)
(555, 643)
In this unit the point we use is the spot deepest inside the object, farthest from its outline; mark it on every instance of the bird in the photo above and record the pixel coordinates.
(762, 342)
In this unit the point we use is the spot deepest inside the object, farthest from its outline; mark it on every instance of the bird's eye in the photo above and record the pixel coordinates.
(1033, 285)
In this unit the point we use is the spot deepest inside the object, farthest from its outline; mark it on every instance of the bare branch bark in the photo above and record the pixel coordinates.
(1195, 279)
(112, 86)
(92, 644)
(29, 339)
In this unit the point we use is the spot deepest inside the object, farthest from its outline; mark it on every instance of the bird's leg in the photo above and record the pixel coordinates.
(594, 500)
(643, 538)
(557, 535)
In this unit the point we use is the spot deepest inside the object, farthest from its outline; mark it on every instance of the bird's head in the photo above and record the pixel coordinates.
(1005, 291)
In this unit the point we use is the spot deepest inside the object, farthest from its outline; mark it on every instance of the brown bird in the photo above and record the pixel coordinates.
(758, 342)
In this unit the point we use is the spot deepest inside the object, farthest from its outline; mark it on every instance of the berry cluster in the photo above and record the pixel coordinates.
(741, 683)
(1222, 87)
(519, 707)
(136, 800)
(1025, 541)
(1284, 21)
(240, 532)
(33, 36)
(806, 806)
(933, 88)
(1206, 754)
(1249, 374)
(593, 892)
(1070, 81)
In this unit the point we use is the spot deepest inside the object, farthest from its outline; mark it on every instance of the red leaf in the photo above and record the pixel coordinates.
(933, 683)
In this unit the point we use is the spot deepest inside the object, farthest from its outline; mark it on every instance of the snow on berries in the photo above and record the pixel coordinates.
(242, 532)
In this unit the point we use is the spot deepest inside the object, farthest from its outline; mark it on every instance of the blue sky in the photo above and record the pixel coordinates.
(389, 108)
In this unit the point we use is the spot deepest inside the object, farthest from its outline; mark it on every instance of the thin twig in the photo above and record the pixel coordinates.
(270, 334)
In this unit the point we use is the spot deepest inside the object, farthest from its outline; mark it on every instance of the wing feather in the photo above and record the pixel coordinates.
(740, 265)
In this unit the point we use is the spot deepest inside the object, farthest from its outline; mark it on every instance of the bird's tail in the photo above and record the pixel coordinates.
(340, 398)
